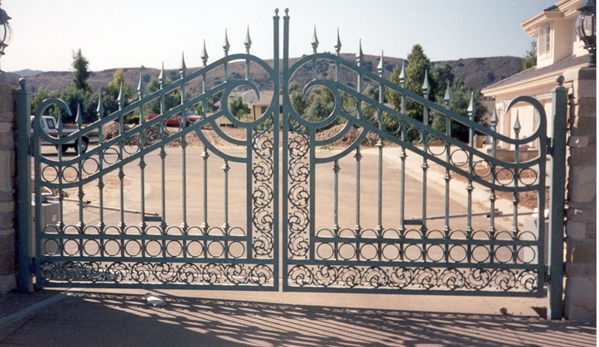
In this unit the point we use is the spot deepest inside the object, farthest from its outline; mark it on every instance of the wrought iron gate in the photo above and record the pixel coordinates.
(340, 232)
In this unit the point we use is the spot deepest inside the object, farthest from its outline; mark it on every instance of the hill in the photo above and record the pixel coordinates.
(27, 72)
(476, 73)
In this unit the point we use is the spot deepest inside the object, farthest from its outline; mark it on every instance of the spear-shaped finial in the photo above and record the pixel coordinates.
(426, 87)
(183, 69)
(121, 97)
(162, 76)
(100, 108)
(226, 44)
(79, 118)
(140, 86)
(338, 45)
(447, 98)
(204, 54)
(494, 119)
(248, 41)
(360, 55)
(402, 74)
(517, 126)
(314, 40)
(381, 65)
(471, 107)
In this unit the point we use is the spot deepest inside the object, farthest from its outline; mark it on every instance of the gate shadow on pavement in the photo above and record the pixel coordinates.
(100, 319)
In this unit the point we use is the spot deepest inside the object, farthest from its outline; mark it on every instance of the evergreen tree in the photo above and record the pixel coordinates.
(81, 73)
(530, 58)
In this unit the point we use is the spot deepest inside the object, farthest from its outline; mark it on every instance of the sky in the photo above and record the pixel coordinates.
(132, 33)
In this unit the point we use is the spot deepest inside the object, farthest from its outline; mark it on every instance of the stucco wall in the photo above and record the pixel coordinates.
(581, 227)
(8, 83)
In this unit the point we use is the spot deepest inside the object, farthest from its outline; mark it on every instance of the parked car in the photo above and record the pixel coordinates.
(48, 125)
(175, 120)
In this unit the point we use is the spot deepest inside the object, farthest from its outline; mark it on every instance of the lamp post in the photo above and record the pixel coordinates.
(586, 28)
(5, 31)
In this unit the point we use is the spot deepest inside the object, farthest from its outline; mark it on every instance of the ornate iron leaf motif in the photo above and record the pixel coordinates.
(411, 279)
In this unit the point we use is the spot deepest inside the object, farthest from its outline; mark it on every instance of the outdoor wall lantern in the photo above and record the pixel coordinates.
(586, 28)
(5, 31)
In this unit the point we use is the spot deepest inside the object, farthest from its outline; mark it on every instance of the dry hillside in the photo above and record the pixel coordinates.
(476, 72)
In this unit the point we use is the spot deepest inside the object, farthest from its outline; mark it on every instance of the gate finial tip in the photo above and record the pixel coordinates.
(560, 80)
(22, 82)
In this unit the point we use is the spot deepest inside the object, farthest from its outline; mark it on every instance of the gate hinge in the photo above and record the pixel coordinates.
(547, 275)
(549, 146)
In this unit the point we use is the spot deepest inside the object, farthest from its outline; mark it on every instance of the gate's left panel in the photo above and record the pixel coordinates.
(166, 202)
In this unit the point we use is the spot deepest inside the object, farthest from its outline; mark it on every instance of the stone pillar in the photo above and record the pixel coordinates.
(8, 84)
(581, 226)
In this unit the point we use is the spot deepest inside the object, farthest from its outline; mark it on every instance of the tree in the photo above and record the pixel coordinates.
(418, 65)
(321, 105)
(41, 95)
(114, 86)
(440, 75)
(297, 99)
(530, 58)
(81, 74)
(171, 99)
(459, 103)
(237, 108)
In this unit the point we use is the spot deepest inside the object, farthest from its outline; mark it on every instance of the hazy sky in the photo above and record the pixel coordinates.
(131, 33)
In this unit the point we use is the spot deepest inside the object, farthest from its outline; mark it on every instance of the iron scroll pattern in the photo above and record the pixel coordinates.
(404, 260)
(72, 251)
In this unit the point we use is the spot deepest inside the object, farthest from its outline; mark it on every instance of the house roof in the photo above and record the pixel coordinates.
(533, 72)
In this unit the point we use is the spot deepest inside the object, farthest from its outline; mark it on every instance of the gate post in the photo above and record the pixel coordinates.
(556, 202)
(23, 107)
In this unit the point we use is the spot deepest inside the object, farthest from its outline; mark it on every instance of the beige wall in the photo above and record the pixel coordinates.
(581, 227)
(8, 245)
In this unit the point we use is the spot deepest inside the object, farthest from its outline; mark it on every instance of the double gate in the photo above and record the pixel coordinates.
(338, 203)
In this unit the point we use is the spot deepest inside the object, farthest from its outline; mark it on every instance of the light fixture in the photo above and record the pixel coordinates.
(5, 31)
(586, 29)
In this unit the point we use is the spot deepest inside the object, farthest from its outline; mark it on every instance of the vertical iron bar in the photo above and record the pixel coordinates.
(471, 112)
(226, 168)
(358, 157)
(312, 188)
(447, 177)
(23, 167)
(285, 140)
(336, 169)
(80, 193)
(101, 223)
(426, 91)
(403, 157)
(469, 187)
(557, 194)
(381, 69)
(205, 156)
(60, 171)
(492, 196)
(121, 171)
(184, 224)
(359, 58)
(277, 124)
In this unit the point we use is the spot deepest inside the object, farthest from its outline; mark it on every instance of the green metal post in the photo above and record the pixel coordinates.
(24, 280)
(557, 196)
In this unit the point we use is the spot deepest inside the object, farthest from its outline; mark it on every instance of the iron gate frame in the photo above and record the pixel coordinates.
(304, 131)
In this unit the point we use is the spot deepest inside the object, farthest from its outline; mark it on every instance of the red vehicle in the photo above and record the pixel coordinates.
(175, 120)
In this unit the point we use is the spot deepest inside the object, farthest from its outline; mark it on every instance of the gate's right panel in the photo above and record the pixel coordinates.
(377, 200)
